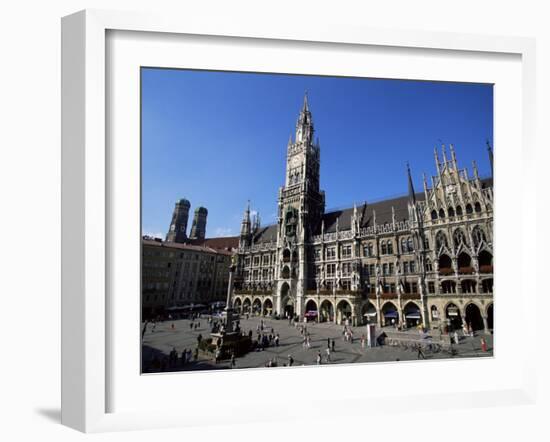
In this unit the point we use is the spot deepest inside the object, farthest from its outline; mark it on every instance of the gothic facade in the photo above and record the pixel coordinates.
(424, 258)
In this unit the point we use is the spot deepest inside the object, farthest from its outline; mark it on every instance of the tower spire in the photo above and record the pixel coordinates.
(245, 224)
(490, 151)
(436, 158)
(412, 197)
(304, 125)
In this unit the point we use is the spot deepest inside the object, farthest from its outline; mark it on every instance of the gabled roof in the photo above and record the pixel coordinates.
(266, 234)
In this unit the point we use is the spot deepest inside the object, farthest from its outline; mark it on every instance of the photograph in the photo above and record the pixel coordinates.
(292, 220)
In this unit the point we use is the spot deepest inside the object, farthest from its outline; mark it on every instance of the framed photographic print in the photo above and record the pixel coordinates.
(314, 214)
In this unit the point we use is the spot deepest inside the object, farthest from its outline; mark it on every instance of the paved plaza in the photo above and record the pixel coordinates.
(160, 342)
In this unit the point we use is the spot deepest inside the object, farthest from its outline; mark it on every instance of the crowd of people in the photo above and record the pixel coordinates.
(266, 336)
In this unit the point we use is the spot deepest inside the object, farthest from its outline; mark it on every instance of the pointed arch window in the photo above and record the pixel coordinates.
(469, 209)
(434, 215)
(429, 267)
(441, 213)
(459, 237)
(458, 211)
(384, 248)
(441, 240)
(477, 207)
(451, 212)
(390, 247)
(478, 236)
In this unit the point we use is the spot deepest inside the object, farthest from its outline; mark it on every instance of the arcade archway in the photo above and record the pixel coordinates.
(413, 316)
(368, 313)
(390, 316)
(268, 307)
(326, 311)
(473, 317)
(246, 305)
(257, 306)
(311, 311)
(343, 312)
(453, 316)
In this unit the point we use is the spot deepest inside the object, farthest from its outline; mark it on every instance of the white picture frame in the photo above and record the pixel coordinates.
(86, 207)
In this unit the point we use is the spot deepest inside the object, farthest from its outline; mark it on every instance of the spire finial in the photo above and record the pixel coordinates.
(412, 197)
(490, 151)
(306, 104)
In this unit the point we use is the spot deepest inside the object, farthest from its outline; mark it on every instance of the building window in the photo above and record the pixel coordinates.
(346, 285)
(390, 247)
(331, 269)
(385, 269)
(330, 253)
(431, 287)
(405, 267)
(384, 248)
(346, 251)
(368, 250)
(317, 254)
(411, 266)
(391, 268)
(256, 261)
(346, 269)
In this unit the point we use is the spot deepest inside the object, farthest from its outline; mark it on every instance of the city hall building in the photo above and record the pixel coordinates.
(422, 259)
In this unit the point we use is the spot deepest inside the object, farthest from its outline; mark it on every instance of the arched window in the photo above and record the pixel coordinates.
(469, 209)
(458, 211)
(445, 265)
(441, 213)
(384, 249)
(451, 212)
(459, 237)
(434, 215)
(429, 267)
(478, 236)
(410, 245)
(390, 247)
(426, 243)
(477, 207)
(404, 245)
(440, 240)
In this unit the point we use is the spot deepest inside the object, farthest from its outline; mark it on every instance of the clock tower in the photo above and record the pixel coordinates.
(301, 208)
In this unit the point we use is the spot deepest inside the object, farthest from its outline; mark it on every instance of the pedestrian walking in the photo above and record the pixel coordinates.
(328, 342)
(455, 335)
(277, 340)
(318, 357)
(290, 360)
(483, 345)
(232, 360)
(333, 346)
(328, 354)
(363, 341)
(420, 353)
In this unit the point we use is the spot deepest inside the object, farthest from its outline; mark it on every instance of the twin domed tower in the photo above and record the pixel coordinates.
(180, 218)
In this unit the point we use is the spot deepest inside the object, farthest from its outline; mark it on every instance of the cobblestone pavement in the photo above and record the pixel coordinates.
(163, 339)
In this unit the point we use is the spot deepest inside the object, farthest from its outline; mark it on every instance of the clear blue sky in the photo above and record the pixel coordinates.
(219, 139)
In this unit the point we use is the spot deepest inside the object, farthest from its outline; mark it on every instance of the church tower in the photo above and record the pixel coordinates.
(198, 229)
(178, 226)
(301, 208)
